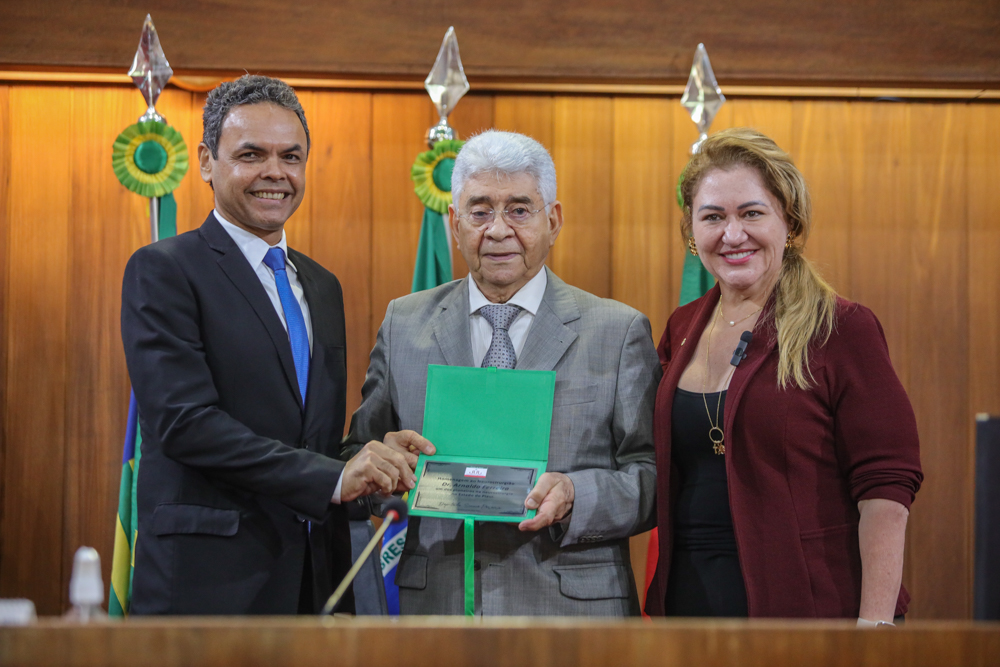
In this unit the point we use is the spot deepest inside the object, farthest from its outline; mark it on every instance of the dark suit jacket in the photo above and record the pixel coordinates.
(231, 465)
(797, 461)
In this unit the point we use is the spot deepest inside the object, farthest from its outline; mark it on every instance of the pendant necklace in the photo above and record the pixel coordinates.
(733, 324)
(715, 433)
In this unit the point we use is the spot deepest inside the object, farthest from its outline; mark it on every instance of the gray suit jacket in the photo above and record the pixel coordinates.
(607, 372)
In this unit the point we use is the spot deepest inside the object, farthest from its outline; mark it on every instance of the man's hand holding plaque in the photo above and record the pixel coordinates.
(553, 497)
(384, 467)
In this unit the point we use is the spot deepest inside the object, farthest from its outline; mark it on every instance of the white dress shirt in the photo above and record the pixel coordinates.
(254, 248)
(529, 298)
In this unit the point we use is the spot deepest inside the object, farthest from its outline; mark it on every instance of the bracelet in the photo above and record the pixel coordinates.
(865, 623)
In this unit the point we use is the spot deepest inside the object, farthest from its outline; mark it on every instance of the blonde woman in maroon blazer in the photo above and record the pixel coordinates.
(784, 481)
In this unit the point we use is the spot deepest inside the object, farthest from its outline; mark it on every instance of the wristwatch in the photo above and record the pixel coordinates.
(865, 623)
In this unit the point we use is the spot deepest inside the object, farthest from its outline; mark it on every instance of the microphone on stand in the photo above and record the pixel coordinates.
(395, 510)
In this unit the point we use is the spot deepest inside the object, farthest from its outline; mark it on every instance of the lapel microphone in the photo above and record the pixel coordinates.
(740, 353)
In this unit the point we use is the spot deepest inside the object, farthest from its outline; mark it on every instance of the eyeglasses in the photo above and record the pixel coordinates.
(515, 214)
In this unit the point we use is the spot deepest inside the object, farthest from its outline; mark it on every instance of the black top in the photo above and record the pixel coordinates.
(705, 577)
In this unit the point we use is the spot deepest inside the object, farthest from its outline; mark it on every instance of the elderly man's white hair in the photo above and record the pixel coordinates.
(504, 153)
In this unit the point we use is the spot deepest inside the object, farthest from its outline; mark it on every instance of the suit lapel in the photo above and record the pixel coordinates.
(317, 361)
(549, 337)
(451, 326)
(680, 356)
(235, 265)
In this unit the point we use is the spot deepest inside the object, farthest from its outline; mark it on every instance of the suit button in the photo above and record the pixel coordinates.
(477, 565)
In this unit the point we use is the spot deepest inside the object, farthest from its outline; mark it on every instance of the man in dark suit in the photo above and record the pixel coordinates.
(236, 350)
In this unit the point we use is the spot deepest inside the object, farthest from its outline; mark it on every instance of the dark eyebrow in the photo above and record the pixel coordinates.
(751, 203)
(248, 146)
(479, 199)
(519, 199)
(711, 207)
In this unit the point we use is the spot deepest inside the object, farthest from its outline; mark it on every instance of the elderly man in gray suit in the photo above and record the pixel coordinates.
(572, 558)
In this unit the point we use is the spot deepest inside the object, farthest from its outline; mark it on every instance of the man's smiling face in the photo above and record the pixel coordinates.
(503, 255)
(259, 177)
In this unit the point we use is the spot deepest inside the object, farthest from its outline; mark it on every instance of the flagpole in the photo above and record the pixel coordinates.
(154, 219)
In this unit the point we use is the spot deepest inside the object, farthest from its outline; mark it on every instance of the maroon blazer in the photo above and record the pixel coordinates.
(797, 461)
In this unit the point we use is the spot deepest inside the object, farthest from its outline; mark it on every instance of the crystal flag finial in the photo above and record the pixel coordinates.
(446, 84)
(150, 70)
(702, 97)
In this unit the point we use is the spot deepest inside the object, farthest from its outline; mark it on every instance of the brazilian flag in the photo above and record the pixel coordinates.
(126, 527)
(149, 158)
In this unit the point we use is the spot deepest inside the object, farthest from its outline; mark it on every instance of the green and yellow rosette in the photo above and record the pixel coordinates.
(431, 174)
(150, 158)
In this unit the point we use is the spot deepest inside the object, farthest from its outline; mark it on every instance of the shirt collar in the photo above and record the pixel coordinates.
(529, 297)
(253, 247)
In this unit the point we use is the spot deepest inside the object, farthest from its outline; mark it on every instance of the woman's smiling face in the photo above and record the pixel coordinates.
(739, 228)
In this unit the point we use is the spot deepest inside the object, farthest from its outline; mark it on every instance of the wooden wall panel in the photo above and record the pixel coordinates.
(768, 40)
(533, 115)
(881, 217)
(643, 196)
(903, 206)
(341, 186)
(32, 560)
(642, 261)
(983, 154)
(583, 133)
(104, 223)
(937, 291)
(983, 151)
(399, 124)
(881, 211)
(298, 229)
(772, 117)
(4, 230)
(821, 152)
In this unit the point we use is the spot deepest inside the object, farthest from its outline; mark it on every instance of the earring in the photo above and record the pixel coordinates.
(692, 248)
(788, 241)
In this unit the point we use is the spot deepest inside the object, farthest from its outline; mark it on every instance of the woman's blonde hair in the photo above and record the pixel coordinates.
(804, 302)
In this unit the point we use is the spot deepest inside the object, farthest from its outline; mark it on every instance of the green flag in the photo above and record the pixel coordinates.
(433, 265)
(695, 280)
(431, 175)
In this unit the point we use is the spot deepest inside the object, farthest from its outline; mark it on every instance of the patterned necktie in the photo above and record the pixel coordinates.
(501, 352)
(297, 336)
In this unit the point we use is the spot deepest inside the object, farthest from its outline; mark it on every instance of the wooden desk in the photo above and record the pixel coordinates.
(448, 642)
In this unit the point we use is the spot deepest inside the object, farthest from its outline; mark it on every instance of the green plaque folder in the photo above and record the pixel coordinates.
(491, 430)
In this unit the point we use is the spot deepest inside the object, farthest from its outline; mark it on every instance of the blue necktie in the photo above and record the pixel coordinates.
(275, 260)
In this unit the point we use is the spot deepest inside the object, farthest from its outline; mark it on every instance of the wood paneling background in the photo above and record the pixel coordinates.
(906, 222)
(750, 41)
